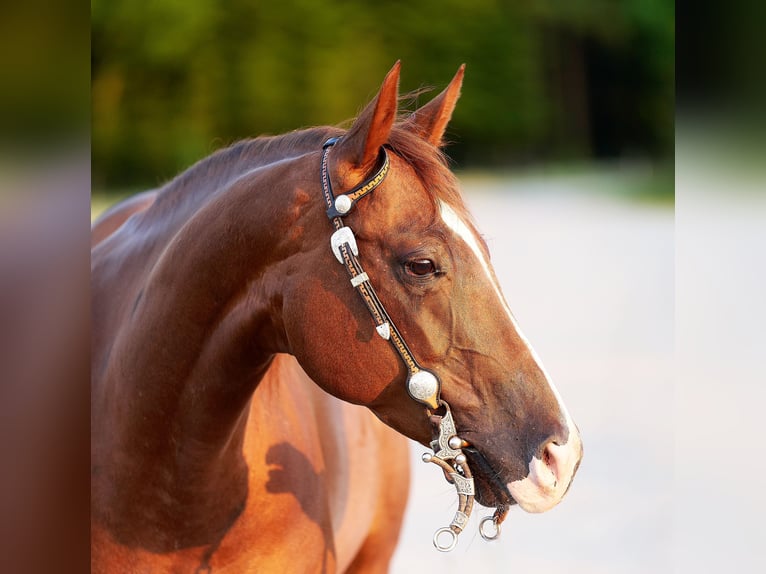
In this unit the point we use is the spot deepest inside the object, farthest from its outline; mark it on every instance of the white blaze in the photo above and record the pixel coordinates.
(534, 493)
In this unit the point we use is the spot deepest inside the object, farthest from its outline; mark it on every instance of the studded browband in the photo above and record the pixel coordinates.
(422, 385)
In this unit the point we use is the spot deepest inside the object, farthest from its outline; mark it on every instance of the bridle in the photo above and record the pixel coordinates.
(423, 385)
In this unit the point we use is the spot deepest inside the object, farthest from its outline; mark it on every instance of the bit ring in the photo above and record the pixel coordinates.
(452, 543)
(489, 536)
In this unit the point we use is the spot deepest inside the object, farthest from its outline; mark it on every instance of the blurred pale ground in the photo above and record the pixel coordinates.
(719, 496)
(590, 279)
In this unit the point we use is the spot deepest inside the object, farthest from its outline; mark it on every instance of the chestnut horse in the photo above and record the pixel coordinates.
(247, 414)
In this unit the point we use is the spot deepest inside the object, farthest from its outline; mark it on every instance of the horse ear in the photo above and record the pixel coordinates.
(430, 121)
(371, 129)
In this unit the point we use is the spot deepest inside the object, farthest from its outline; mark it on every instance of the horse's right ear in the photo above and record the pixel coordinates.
(370, 131)
(430, 121)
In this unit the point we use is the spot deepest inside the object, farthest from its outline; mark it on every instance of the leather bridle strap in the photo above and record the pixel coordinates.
(422, 385)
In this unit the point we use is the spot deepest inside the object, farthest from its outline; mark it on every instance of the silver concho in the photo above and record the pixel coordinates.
(342, 203)
(423, 385)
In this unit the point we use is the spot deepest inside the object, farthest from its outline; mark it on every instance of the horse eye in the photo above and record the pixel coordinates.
(420, 267)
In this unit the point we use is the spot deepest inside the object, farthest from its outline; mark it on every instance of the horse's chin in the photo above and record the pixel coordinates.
(487, 494)
(491, 491)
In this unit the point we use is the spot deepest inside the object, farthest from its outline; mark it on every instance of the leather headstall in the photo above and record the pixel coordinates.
(422, 385)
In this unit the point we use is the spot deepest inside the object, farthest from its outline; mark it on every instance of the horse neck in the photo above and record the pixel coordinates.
(203, 328)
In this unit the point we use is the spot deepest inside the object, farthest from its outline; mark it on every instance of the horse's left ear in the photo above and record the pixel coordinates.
(430, 121)
(361, 145)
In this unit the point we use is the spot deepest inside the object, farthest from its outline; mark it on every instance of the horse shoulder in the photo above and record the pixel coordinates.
(328, 482)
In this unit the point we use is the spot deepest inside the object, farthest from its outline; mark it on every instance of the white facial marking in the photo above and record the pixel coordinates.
(461, 229)
(541, 489)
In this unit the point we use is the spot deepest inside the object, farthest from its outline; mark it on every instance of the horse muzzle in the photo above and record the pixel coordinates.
(550, 475)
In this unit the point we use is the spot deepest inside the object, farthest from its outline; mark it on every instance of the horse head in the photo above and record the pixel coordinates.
(432, 272)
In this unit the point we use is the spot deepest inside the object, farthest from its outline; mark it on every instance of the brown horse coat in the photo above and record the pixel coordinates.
(229, 352)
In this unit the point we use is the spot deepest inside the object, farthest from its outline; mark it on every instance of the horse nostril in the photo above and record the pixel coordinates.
(547, 456)
(550, 458)
(561, 460)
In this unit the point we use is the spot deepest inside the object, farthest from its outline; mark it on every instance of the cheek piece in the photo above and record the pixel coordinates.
(423, 385)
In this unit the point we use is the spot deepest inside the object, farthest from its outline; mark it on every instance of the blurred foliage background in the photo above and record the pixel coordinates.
(547, 81)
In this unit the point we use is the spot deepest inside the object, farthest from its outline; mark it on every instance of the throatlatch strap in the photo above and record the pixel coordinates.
(422, 385)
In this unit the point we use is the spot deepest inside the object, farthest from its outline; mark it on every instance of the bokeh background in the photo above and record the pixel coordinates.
(563, 140)
(548, 82)
(563, 144)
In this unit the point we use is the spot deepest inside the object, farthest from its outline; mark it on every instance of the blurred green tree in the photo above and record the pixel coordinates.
(173, 80)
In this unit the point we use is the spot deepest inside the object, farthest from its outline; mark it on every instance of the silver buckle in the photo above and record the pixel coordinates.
(343, 235)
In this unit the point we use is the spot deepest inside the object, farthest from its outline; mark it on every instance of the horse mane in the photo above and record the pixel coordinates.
(226, 164)
(223, 166)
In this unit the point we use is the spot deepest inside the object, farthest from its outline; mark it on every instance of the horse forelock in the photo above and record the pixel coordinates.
(429, 163)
